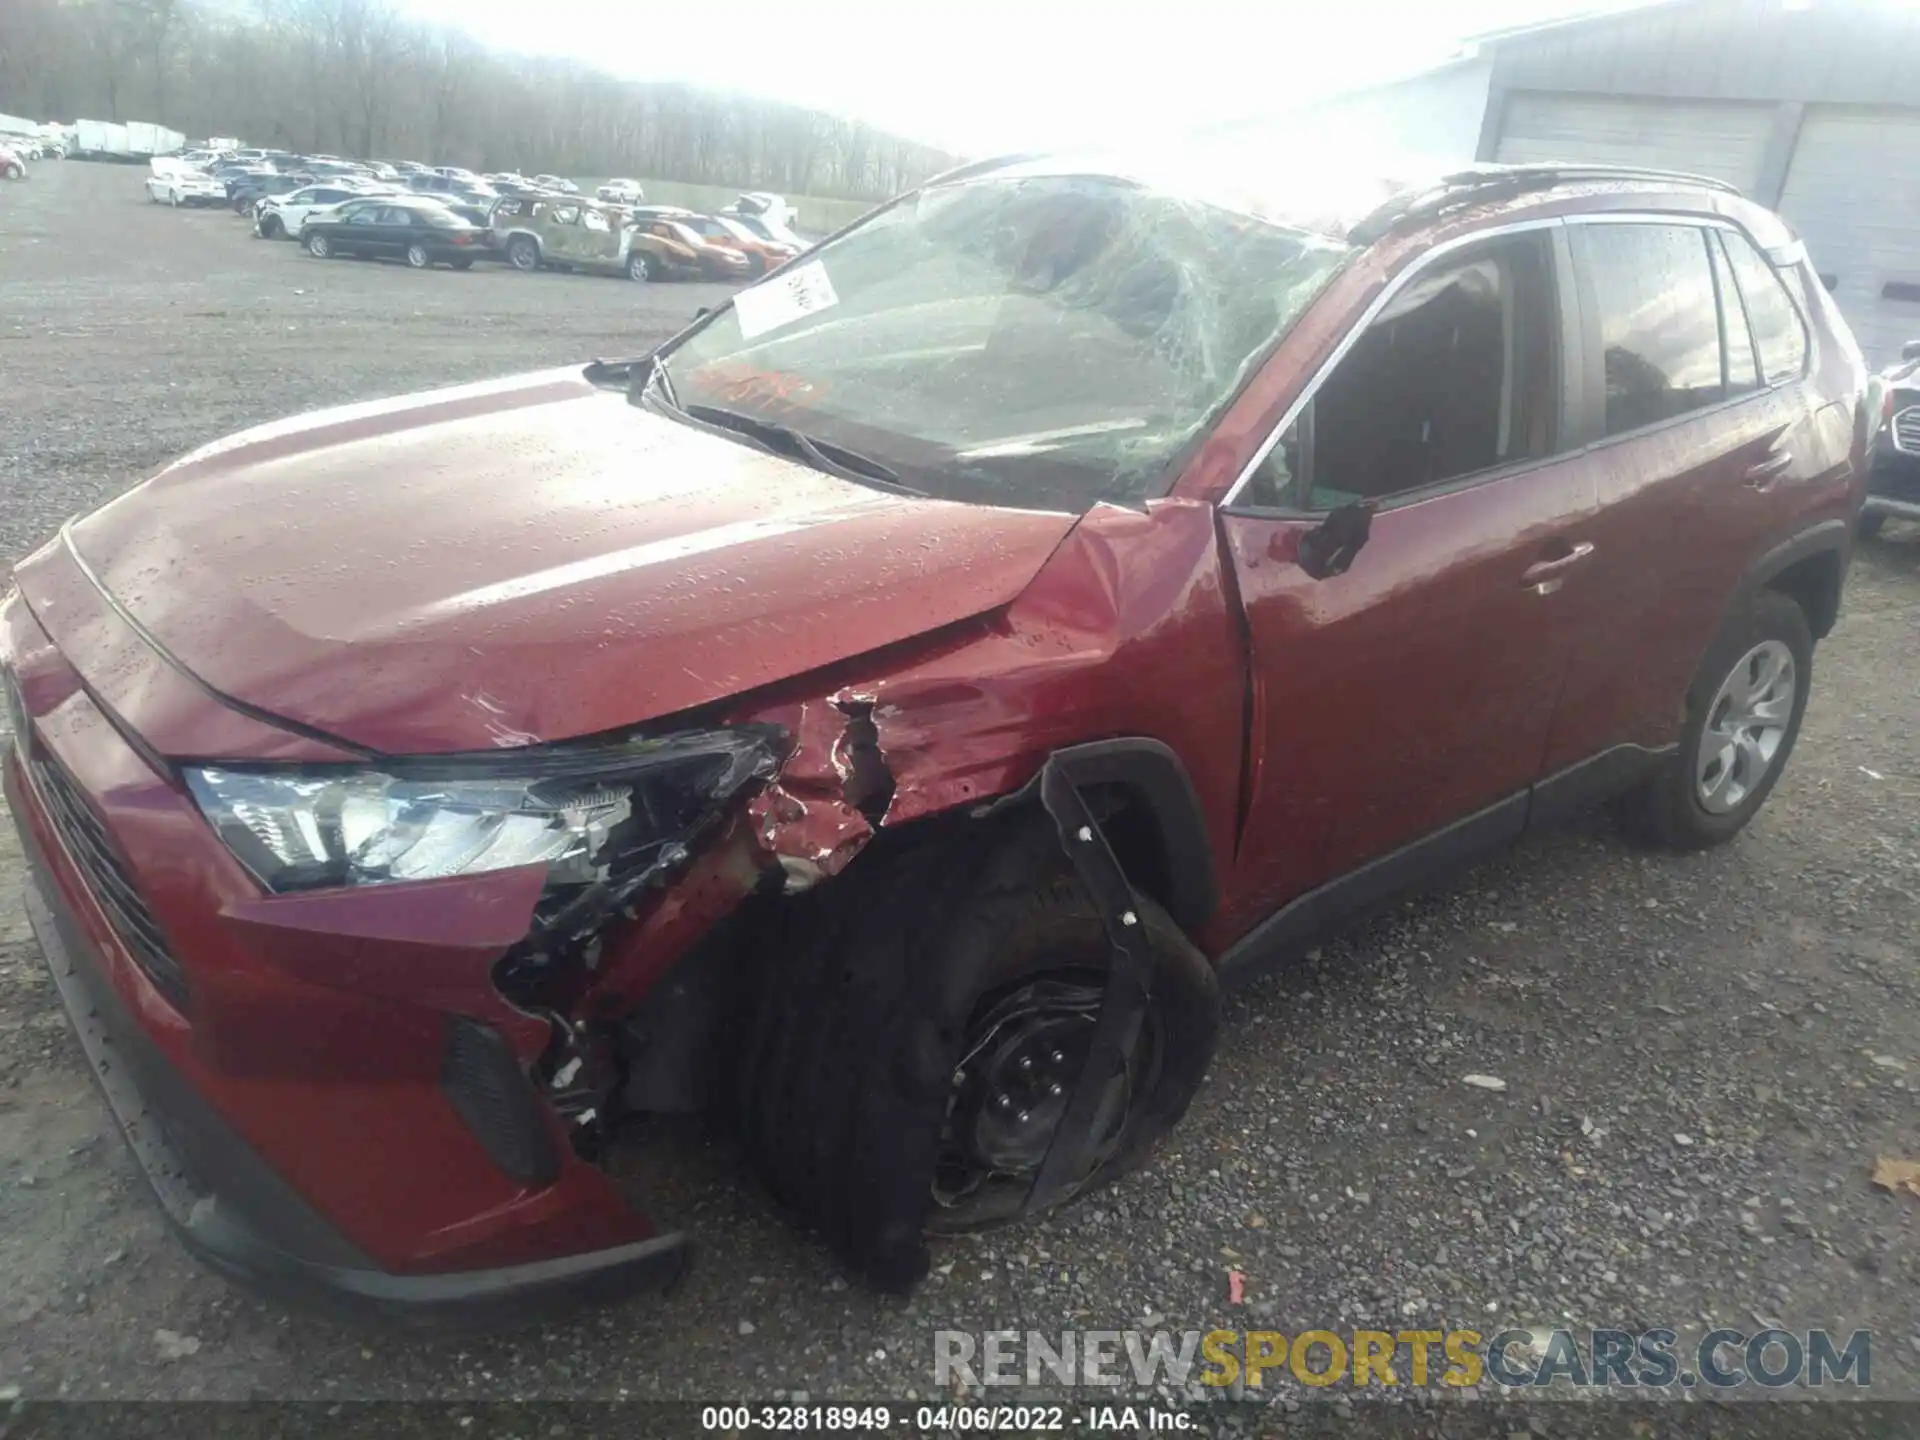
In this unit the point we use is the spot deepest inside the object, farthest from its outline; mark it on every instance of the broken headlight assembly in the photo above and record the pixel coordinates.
(581, 811)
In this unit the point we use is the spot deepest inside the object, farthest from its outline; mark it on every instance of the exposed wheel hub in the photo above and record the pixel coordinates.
(1022, 1057)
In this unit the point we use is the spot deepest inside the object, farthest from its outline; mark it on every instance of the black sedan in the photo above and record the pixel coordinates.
(249, 190)
(397, 227)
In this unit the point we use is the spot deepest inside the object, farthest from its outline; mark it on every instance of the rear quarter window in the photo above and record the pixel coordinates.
(1779, 333)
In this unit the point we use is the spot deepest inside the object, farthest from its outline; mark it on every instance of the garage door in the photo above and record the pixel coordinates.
(1853, 195)
(1725, 141)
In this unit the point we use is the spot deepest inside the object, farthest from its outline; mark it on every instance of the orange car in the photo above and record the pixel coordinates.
(729, 234)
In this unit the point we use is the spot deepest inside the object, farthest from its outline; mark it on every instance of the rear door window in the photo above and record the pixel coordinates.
(1659, 323)
(1778, 331)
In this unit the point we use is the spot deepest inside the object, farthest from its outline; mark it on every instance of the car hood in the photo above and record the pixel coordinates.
(523, 561)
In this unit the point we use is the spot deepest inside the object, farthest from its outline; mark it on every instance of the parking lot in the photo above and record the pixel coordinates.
(1702, 1055)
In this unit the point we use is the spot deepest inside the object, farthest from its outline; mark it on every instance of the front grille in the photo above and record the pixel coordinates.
(489, 1092)
(94, 856)
(1906, 430)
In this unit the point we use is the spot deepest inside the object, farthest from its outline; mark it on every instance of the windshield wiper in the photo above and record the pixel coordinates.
(820, 454)
(655, 388)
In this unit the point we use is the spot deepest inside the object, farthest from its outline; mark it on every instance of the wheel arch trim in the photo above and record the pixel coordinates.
(1827, 540)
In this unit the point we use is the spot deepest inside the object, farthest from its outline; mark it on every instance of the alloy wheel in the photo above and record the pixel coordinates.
(1746, 725)
(417, 256)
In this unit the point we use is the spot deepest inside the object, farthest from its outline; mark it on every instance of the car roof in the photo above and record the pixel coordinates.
(1359, 202)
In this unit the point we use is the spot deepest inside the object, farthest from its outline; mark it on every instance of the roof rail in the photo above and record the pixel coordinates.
(1487, 181)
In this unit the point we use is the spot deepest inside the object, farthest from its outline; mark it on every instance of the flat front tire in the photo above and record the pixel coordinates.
(1744, 710)
(913, 1049)
(1869, 526)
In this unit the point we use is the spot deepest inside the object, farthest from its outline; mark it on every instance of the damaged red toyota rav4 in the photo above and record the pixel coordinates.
(887, 714)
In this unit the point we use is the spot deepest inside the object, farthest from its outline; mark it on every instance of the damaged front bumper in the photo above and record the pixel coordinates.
(236, 1213)
(328, 1094)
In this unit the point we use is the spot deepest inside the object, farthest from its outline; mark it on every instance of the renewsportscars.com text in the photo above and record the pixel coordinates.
(1656, 1359)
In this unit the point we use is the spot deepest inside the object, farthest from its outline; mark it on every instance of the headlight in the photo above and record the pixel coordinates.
(580, 812)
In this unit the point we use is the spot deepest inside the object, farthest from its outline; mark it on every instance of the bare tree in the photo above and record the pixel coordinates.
(356, 76)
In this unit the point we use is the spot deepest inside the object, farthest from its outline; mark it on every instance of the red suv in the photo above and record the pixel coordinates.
(892, 710)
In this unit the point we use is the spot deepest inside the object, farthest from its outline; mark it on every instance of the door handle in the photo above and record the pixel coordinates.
(1545, 575)
(1762, 473)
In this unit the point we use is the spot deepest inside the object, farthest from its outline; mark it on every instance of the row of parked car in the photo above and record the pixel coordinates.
(445, 215)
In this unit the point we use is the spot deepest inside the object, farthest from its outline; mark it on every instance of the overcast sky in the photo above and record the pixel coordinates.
(979, 76)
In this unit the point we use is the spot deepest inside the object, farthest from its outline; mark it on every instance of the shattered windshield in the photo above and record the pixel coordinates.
(1037, 341)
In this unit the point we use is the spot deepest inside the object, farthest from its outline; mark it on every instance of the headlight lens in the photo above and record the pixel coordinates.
(635, 804)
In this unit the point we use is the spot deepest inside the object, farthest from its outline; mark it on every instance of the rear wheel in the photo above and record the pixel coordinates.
(319, 247)
(523, 253)
(418, 256)
(1743, 716)
(1870, 525)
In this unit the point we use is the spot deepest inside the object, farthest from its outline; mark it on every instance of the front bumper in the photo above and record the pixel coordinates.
(1893, 486)
(237, 1215)
(303, 1086)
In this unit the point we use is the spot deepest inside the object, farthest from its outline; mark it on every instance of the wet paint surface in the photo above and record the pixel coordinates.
(550, 562)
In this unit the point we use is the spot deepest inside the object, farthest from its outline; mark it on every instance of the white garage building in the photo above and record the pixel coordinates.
(1809, 106)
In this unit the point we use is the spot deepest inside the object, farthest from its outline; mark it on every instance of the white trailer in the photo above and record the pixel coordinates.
(136, 140)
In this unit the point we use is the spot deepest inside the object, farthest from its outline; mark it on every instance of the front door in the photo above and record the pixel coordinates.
(1417, 689)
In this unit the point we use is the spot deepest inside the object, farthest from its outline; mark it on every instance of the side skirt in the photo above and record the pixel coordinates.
(1553, 800)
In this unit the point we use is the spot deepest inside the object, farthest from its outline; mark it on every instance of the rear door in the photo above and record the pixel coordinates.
(599, 240)
(1416, 690)
(560, 237)
(398, 228)
(1696, 445)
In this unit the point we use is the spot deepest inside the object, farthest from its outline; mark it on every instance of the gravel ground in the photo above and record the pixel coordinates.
(1702, 1055)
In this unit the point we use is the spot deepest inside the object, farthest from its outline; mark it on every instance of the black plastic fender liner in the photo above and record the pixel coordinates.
(1123, 1008)
(1151, 773)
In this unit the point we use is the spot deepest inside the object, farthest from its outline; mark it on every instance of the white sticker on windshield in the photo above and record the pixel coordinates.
(784, 299)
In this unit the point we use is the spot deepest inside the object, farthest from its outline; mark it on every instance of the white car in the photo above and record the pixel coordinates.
(280, 217)
(176, 183)
(621, 192)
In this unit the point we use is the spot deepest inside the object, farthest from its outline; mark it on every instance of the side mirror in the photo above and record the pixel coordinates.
(703, 312)
(1328, 549)
(1910, 350)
